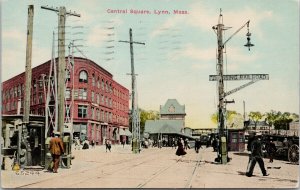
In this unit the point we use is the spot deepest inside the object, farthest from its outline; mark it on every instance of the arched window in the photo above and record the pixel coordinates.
(83, 76)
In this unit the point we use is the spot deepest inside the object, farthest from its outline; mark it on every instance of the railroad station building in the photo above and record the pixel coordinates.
(100, 104)
(171, 123)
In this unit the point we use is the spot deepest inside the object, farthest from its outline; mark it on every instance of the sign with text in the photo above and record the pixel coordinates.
(241, 77)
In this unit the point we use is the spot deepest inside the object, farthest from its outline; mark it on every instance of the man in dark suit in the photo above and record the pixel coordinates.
(256, 156)
(56, 149)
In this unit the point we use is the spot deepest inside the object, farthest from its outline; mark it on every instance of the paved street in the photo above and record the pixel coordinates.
(152, 168)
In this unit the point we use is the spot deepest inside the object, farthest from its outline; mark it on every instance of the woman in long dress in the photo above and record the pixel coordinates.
(180, 150)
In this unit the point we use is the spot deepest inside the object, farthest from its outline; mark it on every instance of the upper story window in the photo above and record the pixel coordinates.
(68, 75)
(98, 83)
(102, 84)
(93, 80)
(19, 90)
(82, 93)
(82, 111)
(68, 93)
(83, 76)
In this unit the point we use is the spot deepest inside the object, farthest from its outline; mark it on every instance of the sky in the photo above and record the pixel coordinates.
(179, 52)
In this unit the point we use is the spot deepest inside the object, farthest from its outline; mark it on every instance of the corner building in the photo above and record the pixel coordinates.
(100, 104)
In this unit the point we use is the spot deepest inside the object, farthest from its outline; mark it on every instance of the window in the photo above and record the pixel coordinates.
(93, 94)
(40, 98)
(98, 114)
(19, 91)
(102, 115)
(68, 93)
(16, 92)
(82, 111)
(40, 82)
(83, 77)
(34, 86)
(102, 85)
(93, 114)
(98, 99)
(93, 80)
(82, 94)
(106, 86)
(98, 83)
(68, 75)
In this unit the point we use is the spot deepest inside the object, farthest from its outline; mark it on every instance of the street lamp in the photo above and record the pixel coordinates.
(219, 28)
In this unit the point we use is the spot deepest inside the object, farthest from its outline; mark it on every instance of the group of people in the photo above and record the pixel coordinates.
(56, 148)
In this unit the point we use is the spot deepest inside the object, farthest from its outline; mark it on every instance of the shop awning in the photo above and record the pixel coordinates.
(122, 131)
(128, 133)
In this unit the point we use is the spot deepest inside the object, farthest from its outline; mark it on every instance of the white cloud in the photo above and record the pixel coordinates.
(205, 18)
(167, 25)
(193, 52)
(97, 36)
(14, 34)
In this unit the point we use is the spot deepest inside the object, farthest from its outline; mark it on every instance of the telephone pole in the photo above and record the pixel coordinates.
(26, 107)
(220, 77)
(135, 116)
(62, 13)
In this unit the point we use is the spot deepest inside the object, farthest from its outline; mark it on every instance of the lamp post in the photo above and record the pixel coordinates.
(219, 28)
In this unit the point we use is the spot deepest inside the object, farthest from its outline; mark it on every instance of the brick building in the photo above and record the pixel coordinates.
(100, 103)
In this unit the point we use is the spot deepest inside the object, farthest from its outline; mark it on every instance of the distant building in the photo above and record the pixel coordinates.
(100, 103)
(261, 127)
(170, 125)
(172, 110)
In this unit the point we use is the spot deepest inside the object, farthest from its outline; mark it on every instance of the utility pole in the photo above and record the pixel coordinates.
(26, 107)
(134, 108)
(220, 77)
(62, 13)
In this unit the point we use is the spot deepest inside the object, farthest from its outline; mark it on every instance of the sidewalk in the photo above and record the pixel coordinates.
(153, 168)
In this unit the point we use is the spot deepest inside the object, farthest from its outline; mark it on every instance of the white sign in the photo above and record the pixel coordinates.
(241, 77)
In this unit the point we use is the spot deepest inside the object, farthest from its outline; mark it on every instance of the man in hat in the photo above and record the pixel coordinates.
(256, 156)
(56, 149)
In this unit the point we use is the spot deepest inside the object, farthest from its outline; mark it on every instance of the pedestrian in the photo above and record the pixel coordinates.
(107, 145)
(77, 143)
(214, 144)
(185, 144)
(56, 150)
(173, 143)
(197, 145)
(256, 155)
(159, 143)
(180, 150)
(93, 144)
(85, 144)
(123, 142)
(271, 150)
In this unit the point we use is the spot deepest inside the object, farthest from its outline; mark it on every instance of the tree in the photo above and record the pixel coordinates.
(147, 115)
(272, 117)
(232, 118)
(255, 116)
(284, 120)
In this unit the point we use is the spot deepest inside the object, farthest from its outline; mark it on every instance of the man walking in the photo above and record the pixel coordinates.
(256, 156)
(56, 149)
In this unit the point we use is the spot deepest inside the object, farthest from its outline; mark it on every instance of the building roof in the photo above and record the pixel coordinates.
(163, 126)
(172, 107)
